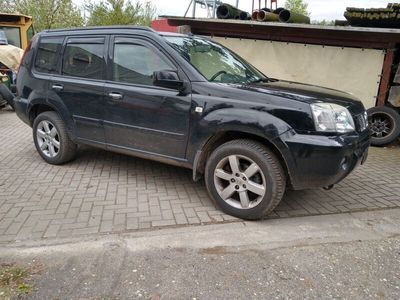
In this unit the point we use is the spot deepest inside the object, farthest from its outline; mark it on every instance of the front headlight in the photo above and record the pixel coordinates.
(329, 117)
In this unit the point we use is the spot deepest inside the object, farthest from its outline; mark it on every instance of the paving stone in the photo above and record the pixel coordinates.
(104, 192)
(163, 223)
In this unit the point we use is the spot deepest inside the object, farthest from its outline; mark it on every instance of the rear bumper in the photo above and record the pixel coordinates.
(21, 108)
(319, 161)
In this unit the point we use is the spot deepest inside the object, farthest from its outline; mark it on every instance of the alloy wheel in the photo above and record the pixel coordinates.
(381, 125)
(48, 138)
(239, 181)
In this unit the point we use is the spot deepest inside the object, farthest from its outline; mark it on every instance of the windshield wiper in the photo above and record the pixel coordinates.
(266, 79)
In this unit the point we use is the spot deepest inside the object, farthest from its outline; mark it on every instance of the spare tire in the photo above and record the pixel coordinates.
(384, 123)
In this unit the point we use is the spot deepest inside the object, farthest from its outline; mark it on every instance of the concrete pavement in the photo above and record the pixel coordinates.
(102, 192)
(345, 256)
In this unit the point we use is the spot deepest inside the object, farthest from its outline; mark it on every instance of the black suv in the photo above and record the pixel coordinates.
(188, 101)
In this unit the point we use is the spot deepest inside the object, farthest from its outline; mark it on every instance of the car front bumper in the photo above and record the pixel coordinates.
(321, 161)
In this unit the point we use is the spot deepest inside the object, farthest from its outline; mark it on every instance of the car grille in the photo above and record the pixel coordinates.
(361, 121)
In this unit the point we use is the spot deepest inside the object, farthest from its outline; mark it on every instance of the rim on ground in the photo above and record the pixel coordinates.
(381, 125)
(239, 181)
(48, 138)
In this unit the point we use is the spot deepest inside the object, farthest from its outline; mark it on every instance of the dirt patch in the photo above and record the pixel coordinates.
(15, 280)
(214, 250)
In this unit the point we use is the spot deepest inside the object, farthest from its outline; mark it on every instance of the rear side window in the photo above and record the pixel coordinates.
(84, 60)
(47, 54)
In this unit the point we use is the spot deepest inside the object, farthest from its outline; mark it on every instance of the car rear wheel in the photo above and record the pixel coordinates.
(52, 140)
(384, 123)
(245, 179)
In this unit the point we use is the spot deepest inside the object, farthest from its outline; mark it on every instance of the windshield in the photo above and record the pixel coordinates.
(215, 62)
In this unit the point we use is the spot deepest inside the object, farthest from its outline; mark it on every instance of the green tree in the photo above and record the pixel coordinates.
(324, 22)
(46, 14)
(297, 6)
(119, 12)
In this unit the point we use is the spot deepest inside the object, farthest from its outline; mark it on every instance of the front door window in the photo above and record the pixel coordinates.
(136, 64)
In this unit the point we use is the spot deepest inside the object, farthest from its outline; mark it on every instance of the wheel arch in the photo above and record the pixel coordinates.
(225, 136)
(37, 108)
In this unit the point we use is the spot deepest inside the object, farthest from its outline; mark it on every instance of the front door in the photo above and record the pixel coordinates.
(139, 115)
(81, 86)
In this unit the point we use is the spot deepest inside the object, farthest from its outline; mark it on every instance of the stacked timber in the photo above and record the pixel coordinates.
(388, 17)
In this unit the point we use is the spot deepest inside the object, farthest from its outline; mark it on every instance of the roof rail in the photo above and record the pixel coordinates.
(144, 28)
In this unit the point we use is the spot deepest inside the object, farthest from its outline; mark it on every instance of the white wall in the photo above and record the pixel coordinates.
(353, 70)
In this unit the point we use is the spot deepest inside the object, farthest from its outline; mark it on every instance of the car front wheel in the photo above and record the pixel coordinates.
(52, 140)
(245, 179)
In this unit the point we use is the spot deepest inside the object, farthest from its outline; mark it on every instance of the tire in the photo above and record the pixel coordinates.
(222, 180)
(384, 123)
(6, 96)
(3, 102)
(11, 104)
(52, 140)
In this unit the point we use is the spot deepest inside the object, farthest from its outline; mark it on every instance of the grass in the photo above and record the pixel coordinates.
(13, 282)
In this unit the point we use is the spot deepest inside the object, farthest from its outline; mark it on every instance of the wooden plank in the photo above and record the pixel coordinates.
(385, 78)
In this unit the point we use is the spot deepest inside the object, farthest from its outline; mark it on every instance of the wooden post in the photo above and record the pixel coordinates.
(384, 86)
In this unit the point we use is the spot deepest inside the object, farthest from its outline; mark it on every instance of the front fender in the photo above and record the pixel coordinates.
(250, 121)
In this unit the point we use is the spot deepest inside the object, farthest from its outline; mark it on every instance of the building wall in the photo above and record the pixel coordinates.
(353, 70)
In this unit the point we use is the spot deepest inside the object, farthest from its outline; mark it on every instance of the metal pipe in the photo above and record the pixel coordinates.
(265, 16)
(254, 15)
(194, 9)
(244, 16)
(226, 11)
(278, 10)
(287, 16)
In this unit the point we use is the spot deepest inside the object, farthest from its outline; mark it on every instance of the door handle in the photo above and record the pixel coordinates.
(57, 87)
(115, 96)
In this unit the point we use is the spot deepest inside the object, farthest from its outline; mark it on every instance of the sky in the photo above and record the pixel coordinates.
(319, 9)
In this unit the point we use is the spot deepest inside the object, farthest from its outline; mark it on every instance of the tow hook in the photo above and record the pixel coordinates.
(329, 187)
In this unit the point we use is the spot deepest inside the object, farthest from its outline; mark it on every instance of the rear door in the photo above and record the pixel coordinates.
(140, 116)
(80, 86)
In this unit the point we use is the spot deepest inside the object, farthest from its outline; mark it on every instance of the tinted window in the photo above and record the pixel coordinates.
(83, 60)
(47, 54)
(13, 35)
(136, 64)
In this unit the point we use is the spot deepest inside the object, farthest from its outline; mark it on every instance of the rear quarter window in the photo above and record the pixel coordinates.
(48, 54)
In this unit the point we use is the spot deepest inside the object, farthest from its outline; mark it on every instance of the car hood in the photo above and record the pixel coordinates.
(304, 92)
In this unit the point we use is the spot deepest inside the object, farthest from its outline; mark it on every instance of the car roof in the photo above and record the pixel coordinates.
(99, 29)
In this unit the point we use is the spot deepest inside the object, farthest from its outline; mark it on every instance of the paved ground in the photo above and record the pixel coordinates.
(342, 256)
(102, 192)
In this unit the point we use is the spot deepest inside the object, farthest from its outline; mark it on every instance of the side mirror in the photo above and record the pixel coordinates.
(168, 79)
